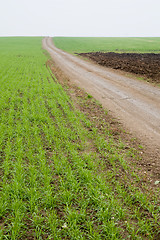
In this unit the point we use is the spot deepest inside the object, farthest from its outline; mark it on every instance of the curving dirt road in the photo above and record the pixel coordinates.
(135, 103)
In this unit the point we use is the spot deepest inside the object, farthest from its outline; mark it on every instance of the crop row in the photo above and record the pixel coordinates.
(58, 174)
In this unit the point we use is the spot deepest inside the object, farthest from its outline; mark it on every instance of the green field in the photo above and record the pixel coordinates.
(60, 176)
(85, 44)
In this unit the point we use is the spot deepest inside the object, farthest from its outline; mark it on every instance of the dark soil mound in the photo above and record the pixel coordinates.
(147, 64)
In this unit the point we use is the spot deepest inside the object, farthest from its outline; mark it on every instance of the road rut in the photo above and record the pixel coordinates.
(134, 103)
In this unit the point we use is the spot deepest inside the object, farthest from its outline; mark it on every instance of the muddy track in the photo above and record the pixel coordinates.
(134, 103)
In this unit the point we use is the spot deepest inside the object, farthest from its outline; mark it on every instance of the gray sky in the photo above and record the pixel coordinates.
(80, 18)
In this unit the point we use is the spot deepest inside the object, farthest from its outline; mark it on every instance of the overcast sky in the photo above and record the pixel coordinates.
(80, 18)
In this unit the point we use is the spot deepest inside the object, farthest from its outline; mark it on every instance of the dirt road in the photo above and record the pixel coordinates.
(134, 103)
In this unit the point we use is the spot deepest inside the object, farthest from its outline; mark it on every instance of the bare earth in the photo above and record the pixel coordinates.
(146, 65)
(136, 104)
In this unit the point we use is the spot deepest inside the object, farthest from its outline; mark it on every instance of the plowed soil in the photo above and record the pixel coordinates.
(147, 65)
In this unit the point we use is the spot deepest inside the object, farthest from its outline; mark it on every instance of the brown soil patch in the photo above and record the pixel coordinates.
(147, 65)
(146, 161)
